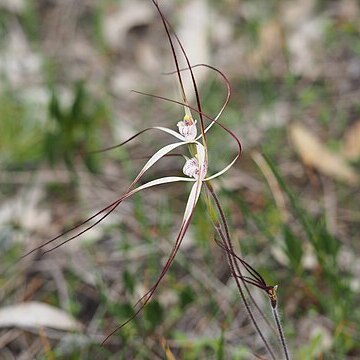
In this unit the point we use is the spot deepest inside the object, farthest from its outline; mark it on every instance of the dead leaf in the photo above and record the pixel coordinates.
(314, 154)
(168, 353)
(36, 315)
(351, 145)
(270, 43)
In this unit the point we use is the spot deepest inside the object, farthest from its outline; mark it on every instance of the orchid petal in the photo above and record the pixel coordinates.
(169, 131)
(161, 128)
(157, 156)
(223, 170)
(112, 207)
(207, 116)
(201, 155)
(192, 200)
(163, 180)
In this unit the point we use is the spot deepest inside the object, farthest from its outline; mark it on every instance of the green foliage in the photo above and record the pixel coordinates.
(122, 311)
(74, 130)
(129, 281)
(332, 288)
(3, 23)
(220, 354)
(21, 130)
(343, 36)
(293, 248)
(153, 313)
(311, 350)
(197, 347)
(30, 20)
(187, 296)
(98, 24)
(328, 285)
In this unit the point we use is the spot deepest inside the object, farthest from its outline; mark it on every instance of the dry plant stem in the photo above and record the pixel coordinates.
(234, 265)
(273, 184)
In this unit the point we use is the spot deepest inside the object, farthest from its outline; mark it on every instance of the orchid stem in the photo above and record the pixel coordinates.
(281, 332)
(234, 267)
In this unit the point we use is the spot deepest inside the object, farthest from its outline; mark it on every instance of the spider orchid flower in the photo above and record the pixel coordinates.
(195, 168)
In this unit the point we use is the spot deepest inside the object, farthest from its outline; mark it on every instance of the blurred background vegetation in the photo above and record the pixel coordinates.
(66, 70)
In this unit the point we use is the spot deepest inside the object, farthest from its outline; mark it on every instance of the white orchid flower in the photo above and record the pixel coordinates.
(195, 168)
